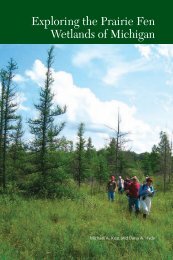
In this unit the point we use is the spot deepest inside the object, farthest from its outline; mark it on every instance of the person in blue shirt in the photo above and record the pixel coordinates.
(146, 192)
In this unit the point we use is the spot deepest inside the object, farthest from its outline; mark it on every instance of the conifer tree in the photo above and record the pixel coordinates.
(17, 150)
(155, 159)
(8, 108)
(92, 164)
(43, 128)
(80, 154)
(111, 156)
(165, 153)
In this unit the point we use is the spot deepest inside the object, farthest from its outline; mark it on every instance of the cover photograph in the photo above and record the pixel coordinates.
(86, 133)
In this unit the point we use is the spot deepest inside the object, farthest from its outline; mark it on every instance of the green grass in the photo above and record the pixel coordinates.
(86, 228)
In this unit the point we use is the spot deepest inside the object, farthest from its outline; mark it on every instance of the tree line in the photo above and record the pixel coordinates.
(46, 164)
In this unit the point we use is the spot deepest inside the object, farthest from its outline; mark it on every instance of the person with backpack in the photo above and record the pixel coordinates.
(133, 194)
(146, 193)
(111, 188)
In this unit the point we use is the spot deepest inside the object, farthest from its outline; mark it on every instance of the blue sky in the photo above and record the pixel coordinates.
(95, 81)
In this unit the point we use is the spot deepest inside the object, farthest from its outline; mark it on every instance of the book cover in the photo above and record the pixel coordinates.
(86, 104)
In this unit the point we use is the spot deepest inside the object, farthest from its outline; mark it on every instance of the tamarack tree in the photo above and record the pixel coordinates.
(16, 151)
(43, 128)
(8, 115)
(80, 154)
(164, 149)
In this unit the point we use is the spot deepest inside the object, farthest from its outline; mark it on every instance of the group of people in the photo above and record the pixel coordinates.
(139, 195)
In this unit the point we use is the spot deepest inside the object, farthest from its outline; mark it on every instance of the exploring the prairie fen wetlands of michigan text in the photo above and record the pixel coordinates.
(140, 28)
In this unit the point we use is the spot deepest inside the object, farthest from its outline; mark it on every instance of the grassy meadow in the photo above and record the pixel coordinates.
(88, 227)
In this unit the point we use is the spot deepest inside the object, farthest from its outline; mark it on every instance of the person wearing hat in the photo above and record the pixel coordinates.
(111, 188)
(146, 192)
(133, 193)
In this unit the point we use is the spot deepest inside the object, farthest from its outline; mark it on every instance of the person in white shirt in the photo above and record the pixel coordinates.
(146, 193)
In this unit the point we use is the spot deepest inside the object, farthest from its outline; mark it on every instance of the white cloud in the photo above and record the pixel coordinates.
(169, 82)
(84, 106)
(153, 57)
(83, 58)
(87, 54)
(115, 73)
(165, 101)
(145, 50)
(155, 51)
(20, 99)
(18, 78)
(159, 54)
(113, 63)
(131, 94)
(37, 73)
(165, 50)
